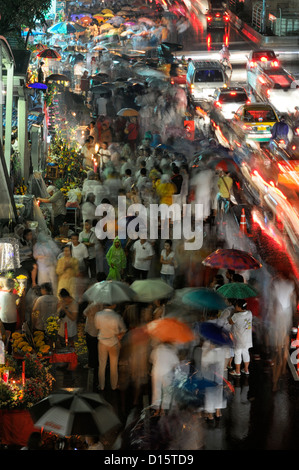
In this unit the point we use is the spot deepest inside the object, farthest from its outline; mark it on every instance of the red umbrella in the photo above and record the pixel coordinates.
(231, 259)
(49, 54)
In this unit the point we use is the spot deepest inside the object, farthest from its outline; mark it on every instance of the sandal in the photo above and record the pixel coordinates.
(233, 372)
(245, 372)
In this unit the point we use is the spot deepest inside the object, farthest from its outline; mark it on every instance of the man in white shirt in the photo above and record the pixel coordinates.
(111, 328)
(79, 251)
(143, 253)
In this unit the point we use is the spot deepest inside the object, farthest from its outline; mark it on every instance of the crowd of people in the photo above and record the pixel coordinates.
(139, 157)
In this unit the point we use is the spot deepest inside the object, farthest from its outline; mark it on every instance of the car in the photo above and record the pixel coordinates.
(217, 18)
(253, 122)
(202, 79)
(264, 57)
(227, 100)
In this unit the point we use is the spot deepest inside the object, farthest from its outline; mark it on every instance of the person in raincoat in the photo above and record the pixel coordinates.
(116, 259)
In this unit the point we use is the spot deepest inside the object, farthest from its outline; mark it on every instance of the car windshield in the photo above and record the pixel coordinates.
(233, 97)
(259, 115)
(258, 55)
(208, 76)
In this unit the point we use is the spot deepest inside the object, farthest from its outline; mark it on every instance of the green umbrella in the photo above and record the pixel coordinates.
(237, 290)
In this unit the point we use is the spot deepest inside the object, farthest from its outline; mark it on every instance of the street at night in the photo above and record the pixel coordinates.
(149, 294)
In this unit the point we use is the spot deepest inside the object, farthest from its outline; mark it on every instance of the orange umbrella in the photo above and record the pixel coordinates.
(170, 330)
(85, 20)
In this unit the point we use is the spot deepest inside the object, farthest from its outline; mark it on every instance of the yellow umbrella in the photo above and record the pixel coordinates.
(106, 10)
(105, 27)
(108, 15)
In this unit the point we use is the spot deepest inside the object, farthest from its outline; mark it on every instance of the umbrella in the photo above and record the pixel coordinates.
(79, 28)
(62, 28)
(99, 48)
(128, 112)
(107, 10)
(49, 54)
(72, 413)
(149, 290)
(191, 390)
(100, 89)
(231, 258)
(38, 86)
(110, 292)
(170, 330)
(237, 290)
(74, 17)
(39, 47)
(150, 73)
(215, 333)
(57, 77)
(146, 21)
(105, 27)
(204, 297)
(85, 20)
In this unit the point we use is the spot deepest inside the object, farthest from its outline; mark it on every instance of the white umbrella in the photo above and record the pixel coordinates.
(149, 72)
(110, 292)
(149, 290)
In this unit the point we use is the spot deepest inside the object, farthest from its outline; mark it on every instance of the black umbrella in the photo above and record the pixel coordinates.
(57, 77)
(73, 413)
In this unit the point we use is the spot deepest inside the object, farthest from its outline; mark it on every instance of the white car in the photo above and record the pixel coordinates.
(226, 101)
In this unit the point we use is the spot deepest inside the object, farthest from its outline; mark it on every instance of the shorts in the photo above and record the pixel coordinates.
(241, 354)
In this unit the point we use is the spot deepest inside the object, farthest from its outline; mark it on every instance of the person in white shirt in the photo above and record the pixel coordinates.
(111, 328)
(168, 263)
(143, 253)
(164, 358)
(88, 208)
(241, 322)
(89, 238)
(79, 251)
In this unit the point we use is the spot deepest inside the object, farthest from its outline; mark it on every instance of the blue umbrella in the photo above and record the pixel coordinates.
(62, 28)
(205, 298)
(215, 333)
(191, 390)
(38, 86)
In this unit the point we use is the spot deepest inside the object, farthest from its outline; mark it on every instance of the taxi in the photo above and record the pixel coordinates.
(254, 122)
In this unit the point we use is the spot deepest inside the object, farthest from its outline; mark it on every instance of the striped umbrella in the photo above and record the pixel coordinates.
(231, 258)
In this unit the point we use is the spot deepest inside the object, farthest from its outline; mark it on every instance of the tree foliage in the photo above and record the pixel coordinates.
(16, 14)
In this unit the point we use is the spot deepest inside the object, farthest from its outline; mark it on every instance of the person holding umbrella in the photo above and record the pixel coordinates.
(241, 322)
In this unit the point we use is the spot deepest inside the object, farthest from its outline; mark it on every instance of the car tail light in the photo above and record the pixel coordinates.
(209, 18)
(248, 101)
(294, 147)
(233, 93)
(252, 63)
(218, 104)
(226, 18)
(264, 59)
(275, 63)
(218, 14)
